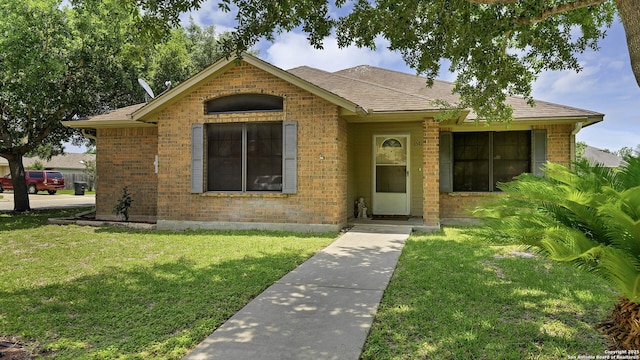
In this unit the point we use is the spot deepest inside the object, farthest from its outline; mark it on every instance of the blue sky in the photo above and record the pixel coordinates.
(606, 83)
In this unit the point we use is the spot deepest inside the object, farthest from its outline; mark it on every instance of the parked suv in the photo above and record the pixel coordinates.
(37, 180)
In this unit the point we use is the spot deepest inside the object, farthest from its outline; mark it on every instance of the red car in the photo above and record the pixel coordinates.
(37, 180)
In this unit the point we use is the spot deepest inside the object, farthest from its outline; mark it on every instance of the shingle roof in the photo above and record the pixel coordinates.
(380, 89)
(118, 114)
(598, 156)
(367, 87)
(368, 95)
(113, 119)
(66, 161)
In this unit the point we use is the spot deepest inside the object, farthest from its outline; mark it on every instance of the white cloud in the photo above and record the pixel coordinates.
(552, 84)
(292, 49)
(211, 14)
(617, 64)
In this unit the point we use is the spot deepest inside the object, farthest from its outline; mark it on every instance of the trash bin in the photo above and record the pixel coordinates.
(79, 186)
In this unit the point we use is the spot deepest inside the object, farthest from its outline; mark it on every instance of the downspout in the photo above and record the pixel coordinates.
(86, 134)
(575, 132)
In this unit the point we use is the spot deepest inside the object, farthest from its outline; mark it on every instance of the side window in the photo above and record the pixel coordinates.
(471, 161)
(36, 174)
(477, 161)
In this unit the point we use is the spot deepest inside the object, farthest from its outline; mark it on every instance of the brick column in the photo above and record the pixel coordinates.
(430, 173)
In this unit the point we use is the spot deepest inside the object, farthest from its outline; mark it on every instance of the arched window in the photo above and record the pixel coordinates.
(244, 103)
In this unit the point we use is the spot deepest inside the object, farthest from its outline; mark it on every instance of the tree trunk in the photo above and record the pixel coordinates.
(20, 193)
(622, 328)
(629, 11)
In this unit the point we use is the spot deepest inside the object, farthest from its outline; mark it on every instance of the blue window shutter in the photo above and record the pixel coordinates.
(290, 157)
(538, 151)
(197, 158)
(446, 161)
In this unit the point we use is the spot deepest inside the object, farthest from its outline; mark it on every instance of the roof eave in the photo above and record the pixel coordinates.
(106, 124)
(585, 120)
(371, 115)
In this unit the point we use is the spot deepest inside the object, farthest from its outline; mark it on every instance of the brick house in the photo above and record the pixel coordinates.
(248, 145)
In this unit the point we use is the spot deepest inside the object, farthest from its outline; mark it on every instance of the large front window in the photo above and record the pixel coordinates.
(244, 156)
(483, 159)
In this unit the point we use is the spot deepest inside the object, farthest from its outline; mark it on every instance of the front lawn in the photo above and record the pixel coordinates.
(70, 292)
(457, 295)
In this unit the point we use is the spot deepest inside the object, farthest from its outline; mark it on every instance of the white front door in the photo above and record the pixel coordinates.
(391, 175)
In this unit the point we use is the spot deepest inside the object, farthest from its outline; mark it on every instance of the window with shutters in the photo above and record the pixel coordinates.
(478, 161)
(244, 156)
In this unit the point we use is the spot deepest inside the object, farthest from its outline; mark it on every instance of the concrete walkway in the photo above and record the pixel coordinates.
(321, 310)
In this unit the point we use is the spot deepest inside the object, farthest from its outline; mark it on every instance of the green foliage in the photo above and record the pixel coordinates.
(60, 62)
(90, 172)
(123, 205)
(580, 148)
(204, 46)
(37, 165)
(186, 52)
(588, 216)
(32, 68)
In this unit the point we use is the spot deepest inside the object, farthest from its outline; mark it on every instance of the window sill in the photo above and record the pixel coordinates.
(244, 195)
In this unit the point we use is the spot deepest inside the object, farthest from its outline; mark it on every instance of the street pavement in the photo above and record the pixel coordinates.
(45, 201)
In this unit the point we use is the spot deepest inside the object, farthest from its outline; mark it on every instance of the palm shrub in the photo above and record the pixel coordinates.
(588, 216)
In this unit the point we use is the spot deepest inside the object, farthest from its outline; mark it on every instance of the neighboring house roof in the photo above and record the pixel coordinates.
(69, 161)
(360, 91)
(598, 156)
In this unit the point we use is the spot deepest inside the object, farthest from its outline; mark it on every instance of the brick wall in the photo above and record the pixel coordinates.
(322, 165)
(459, 205)
(125, 157)
(558, 143)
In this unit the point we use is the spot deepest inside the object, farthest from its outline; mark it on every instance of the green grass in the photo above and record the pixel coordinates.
(76, 292)
(457, 295)
(72, 192)
(108, 293)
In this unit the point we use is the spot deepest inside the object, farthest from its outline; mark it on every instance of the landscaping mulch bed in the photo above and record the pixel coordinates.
(12, 348)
